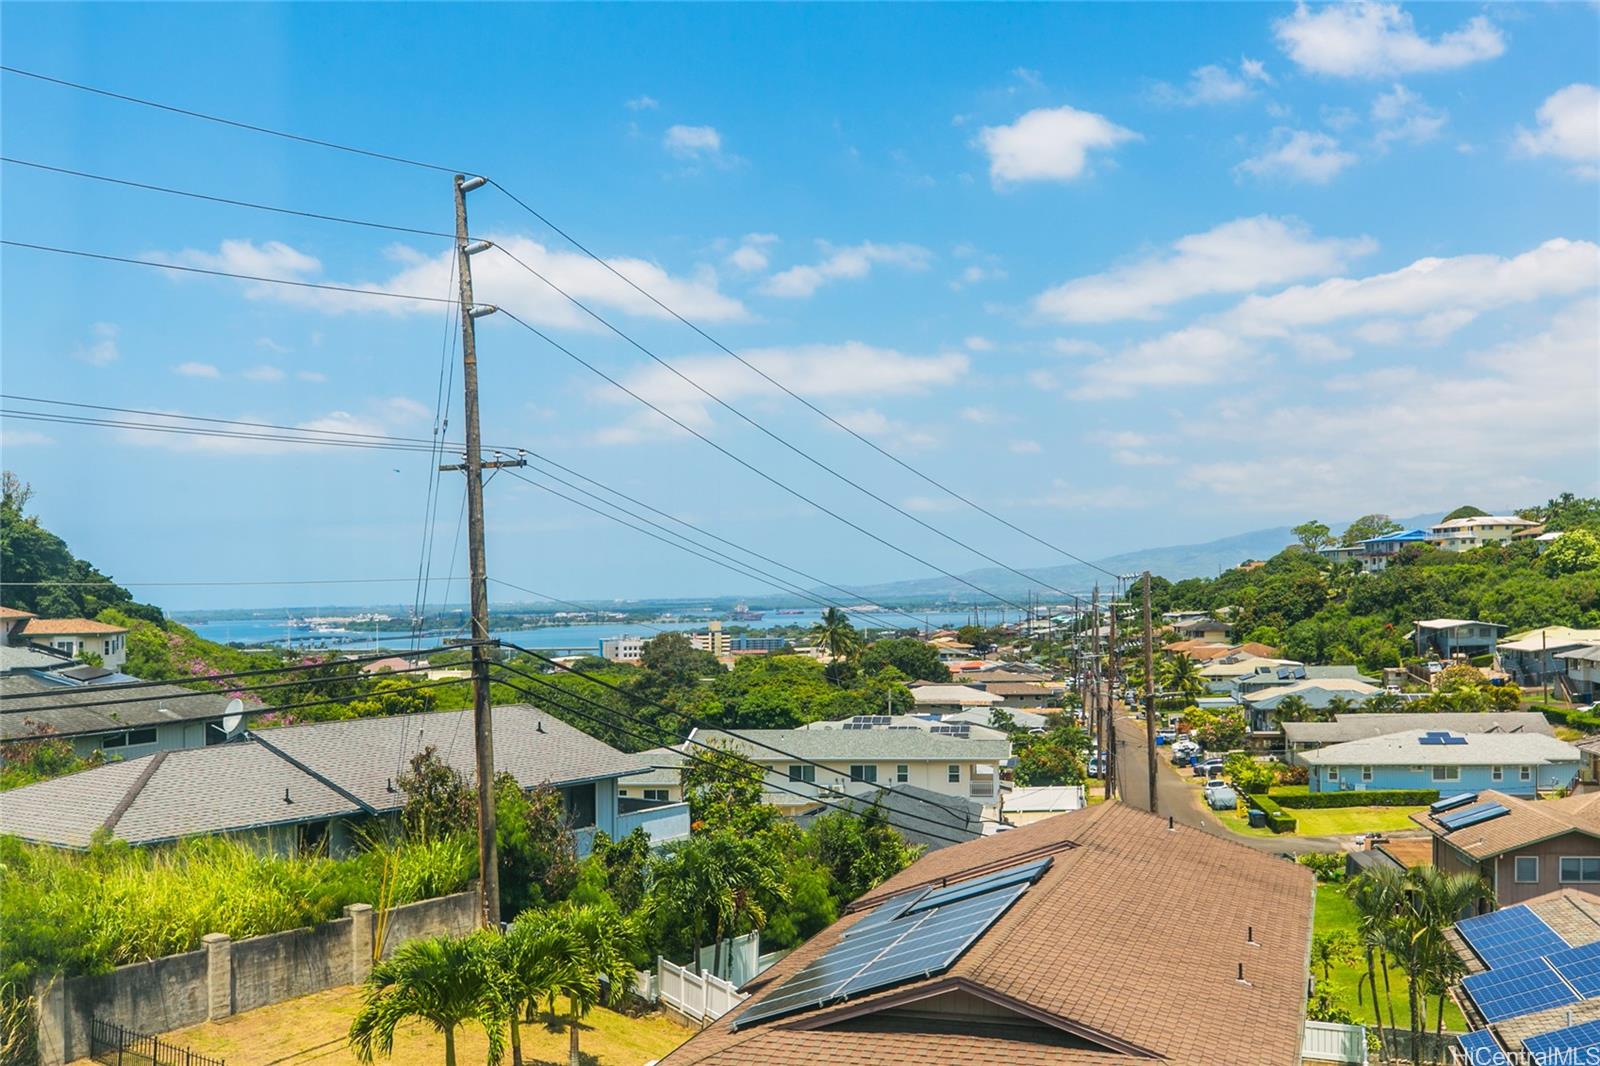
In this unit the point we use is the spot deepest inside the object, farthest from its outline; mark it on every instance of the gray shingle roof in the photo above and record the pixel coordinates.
(1480, 749)
(920, 815)
(1358, 726)
(71, 711)
(241, 785)
(845, 744)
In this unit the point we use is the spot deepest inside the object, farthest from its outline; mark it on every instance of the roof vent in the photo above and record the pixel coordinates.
(1250, 936)
(1240, 979)
(286, 798)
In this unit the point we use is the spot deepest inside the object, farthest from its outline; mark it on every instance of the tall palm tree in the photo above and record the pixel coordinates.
(1293, 709)
(531, 964)
(1376, 895)
(835, 633)
(1434, 901)
(1179, 674)
(686, 889)
(445, 981)
(748, 879)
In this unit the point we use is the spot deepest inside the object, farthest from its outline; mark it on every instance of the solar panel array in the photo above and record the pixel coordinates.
(868, 721)
(913, 935)
(1450, 803)
(954, 729)
(1574, 1044)
(1580, 968)
(1480, 1048)
(1518, 988)
(1509, 936)
(1468, 816)
(1441, 737)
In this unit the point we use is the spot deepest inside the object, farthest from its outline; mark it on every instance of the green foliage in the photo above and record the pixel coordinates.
(1366, 527)
(914, 659)
(445, 981)
(1327, 867)
(723, 787)
(1382, 797)
(1278, 820)
(1220, 729)
(1464, 512)
(537, 852)
(675, 663)
(23, 762)
(1055, 757)
(1574, 551)
(811, 907)
(1248, 774)
(439, 801)
(859, 851)
(1312, 535)
(1567, 512)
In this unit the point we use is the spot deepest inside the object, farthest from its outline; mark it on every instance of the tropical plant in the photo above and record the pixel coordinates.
(1334, 948)
(1376, 895)
(446, 981)
(684, 883)
(591, 961)
(747, 884)
(1179, 675)
(840, 638)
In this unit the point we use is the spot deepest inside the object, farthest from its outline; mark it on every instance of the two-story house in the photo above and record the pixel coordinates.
(1378, 552)
(1532, 659)
(1521, 849)
(78, 637)
(1516, 763)
(1465, 534)
(1449, 637)
(70, 703)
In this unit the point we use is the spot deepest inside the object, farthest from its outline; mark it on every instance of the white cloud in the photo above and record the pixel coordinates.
(1377, 455)
(197, 370)
(855, 261)
(1569, 128)
(1024, 447)
(976, 274)
(18, 438)
(1214, 84)
(1074, 347)
(271, 345)
(642, 103)
(1369, 40)
(264, 374)
(1299, 154)
(315, 377)
(1048, 144)
(898, 435)
(816, 371)
(1402, 115)
(1239, 256)
(978, 344)
(101, 350)
(1031, 78)
(693, 142)
(498, 280)
(1194, 355)
(752, 255)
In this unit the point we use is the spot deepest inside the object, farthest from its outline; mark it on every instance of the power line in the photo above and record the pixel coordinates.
(587, 609)
(194, 431)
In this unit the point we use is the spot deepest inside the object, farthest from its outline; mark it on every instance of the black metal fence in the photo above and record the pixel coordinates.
(114, 1045)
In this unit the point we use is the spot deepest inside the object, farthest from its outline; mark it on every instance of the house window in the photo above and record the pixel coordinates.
(1447, 773)
(1497, 773)
(954, 773)
(803, 772)
(902, 773)
(1333, 773)
(622, 792)
(659, 795)
(1525, 773)
(1366, 773)
(130, 738)
(867, 772)
(1580, 869)
(1527, 869)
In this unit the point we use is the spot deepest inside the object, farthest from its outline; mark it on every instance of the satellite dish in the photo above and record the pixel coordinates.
(232, 715)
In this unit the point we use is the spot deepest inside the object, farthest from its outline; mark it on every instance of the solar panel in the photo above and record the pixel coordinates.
(913, 935)
(1514, 934)
(1451, 738)
(1450, 803)
(1480, 1048)
(1575, 1043)
(1481, 812)
(1429, 738)
(1516, 989)
(1580, 968)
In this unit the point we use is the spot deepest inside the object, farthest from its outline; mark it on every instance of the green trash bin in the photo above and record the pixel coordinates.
(1258, 818)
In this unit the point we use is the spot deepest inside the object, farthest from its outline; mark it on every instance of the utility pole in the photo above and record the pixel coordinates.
(482, 714)
(1098, 720)
(1111, 697)
(1149, 694)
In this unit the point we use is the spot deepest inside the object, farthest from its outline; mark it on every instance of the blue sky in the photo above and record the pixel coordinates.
(1131, 275)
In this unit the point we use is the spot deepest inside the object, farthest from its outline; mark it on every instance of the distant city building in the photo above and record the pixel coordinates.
(749, 644)
(713, 640)
(622, 649)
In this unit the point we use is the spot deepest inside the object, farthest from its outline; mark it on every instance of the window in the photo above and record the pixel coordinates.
(803, 772)
(1447, 773)
(902, 773)
(1497, 773)
(1525, 773)
(659, 795)
(1527, 869)
(622, 792)
(864, 772)
(130, 738)
(1366, 773)
(1333, 773)
(1577, 869)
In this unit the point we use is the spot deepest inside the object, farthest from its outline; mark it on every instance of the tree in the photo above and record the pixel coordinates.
(1332, 949)
(388, 696)
(1250, 776)
(841, 639)
(42, 574)
(588, 961)
(913, 658)
(1375, 895)
(1464, 512)
(684, 882)
(439, 802)
(1312, 535)
(1218, 730)
(1366, 527)
(1179, 675)
(747, 882)
(723, 788)
(1294, 709)
(860, 851)
(531, 964)
(1574, 551)
(538, 859)
(446, 981)
(674, 662)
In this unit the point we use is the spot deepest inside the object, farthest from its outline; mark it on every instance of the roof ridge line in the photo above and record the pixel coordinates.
(110, 824)
(309, 772)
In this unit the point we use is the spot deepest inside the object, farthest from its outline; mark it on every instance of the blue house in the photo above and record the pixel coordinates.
(1379, 552)
(1519, 764)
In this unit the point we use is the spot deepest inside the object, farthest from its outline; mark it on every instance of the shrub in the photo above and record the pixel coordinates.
(1278, 820)
(1385, 797)
(1289, 774)
(1328, 868)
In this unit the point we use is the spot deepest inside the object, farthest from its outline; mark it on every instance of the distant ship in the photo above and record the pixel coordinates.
(743, 613)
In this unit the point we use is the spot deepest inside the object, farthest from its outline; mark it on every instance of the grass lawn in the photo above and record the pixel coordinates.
(1329, 821)
(312, 1029)
(1334, 911)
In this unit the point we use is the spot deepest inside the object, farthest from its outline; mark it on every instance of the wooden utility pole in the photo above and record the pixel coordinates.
(1111, 697)
(1149, 694)
(1098, 721)
(482, 712)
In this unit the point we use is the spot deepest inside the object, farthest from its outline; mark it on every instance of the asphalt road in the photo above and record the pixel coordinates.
(1181, 800)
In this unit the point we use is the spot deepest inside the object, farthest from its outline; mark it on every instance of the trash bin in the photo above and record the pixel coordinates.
(1258, 818)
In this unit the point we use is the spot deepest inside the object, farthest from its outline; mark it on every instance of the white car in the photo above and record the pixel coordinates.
(1221, 797)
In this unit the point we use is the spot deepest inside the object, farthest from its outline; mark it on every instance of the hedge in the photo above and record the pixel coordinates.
(1382, 797)
(1278, 820)
(1569, 716)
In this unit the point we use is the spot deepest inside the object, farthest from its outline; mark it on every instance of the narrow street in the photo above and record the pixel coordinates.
(1177, 798)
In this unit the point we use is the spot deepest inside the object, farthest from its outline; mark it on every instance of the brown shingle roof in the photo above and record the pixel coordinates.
(49, 627)
(1093, 948)
(1527, 822)
(11, 614)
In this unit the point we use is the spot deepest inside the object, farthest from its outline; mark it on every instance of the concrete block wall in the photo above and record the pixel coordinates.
(225, 976)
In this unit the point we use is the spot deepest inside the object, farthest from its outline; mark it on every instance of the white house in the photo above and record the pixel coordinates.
(948, 699)
(79, 636)
(1465, 534)
(622, 649)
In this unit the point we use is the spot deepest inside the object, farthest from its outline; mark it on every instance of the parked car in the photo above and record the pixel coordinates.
(1094, 766)
(1208, 769)
(1220, 797)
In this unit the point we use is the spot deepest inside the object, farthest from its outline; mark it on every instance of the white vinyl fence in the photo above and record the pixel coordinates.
(1333, 1042)
(701, 997)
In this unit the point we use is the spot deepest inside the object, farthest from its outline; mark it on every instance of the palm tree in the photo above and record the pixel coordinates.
(685, 889)
(531, 964)
(835, 633)
(1327, 949)
(748, 878)
(1339, 705)
(445, 981)
(1293, 709)
(1434, 901)
(596, 966)
(1179, 674)
(1376, 894)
